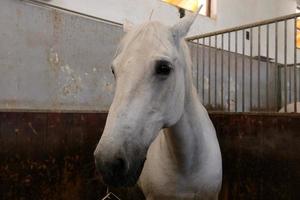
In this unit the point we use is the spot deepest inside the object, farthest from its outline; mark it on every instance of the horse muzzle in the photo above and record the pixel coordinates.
(119, 172)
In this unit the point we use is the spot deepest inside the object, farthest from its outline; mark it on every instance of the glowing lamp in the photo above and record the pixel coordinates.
(190, 5)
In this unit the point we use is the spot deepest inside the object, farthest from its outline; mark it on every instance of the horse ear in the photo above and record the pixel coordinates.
(127, 26)
(181, 29)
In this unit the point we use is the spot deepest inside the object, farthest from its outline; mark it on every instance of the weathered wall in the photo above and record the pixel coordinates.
(50, 156)
(229, 13)
(54, 60)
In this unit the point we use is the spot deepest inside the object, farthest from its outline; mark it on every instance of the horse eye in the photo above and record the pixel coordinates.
(162, 67)
(112, 71)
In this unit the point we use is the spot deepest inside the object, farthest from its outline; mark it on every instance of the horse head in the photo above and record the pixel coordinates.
(150, 69)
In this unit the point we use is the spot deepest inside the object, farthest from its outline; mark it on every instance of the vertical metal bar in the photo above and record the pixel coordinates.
(285, 66)
(258, 68)
(243, 73)
(216, 73)
(228, 78)
(290, 84)
(209, 71)
(277, 70)
(222, 72)
(235, 71)
(267, 69)
(295, 66)
(197, 63)
(251, 67)
(203, 71)
(192, 58)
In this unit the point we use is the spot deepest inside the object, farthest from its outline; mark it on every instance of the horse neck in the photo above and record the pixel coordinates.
(192, 139)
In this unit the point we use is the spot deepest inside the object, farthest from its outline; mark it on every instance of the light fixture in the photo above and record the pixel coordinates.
(190, 5)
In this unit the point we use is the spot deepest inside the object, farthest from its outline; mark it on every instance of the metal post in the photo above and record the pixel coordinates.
(203, 71)
(209, 71)
(216, 73)
(222, 72)
(197, 63)
(277, 72)
(258, 68)
(228, 80)
(243, 73)
(251, 67)
(295, 66)
(235, 71)
(285, 66)
(267, 69)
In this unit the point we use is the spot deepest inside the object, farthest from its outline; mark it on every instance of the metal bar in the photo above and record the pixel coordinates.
(235, 71)
(216, 73)
(247, 26)
(222, 72)
(267, 69)
(228, 80)
(192, 57)
(203, 71)
(277, 72)
(290, 85)
(243, 73)
(209, 71)
(258, 68)
(197, 63)
(251, 66)
(285, 66)
(295, 65)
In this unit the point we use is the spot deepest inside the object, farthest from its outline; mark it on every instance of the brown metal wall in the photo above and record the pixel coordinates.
(50, 156)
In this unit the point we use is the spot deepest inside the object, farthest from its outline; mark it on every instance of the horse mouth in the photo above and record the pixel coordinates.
(127, 179)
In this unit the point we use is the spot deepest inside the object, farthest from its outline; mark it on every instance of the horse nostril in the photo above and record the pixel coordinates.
(118, 166)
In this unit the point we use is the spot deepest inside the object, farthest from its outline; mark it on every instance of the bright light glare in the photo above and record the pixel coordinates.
(298, 33)
(191, 5)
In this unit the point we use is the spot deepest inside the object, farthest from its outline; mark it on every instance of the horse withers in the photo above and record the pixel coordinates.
(157, 132)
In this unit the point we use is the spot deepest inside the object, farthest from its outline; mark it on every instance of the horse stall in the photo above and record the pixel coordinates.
(56, 87)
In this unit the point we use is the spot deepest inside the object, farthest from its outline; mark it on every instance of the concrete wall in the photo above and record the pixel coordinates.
(229, 13)
(54, 60)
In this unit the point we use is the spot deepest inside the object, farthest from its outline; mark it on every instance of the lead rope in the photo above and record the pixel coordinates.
(110, 196)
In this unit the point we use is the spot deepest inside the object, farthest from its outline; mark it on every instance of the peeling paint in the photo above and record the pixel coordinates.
(53, 59)
(72, 82)
(44, 56)
(33, 129)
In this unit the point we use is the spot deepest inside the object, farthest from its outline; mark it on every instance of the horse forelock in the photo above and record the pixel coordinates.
(152, 38)
(147, 35)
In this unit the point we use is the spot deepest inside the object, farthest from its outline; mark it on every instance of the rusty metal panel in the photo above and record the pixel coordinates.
(260, 155)
(51, 59)
(50, 156)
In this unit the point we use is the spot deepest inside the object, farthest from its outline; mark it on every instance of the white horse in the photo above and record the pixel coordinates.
(290, 108)
(157, 132)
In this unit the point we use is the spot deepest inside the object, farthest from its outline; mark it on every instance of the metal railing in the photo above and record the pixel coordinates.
(250, 68)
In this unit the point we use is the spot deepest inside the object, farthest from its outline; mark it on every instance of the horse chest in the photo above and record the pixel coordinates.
(161, 179)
